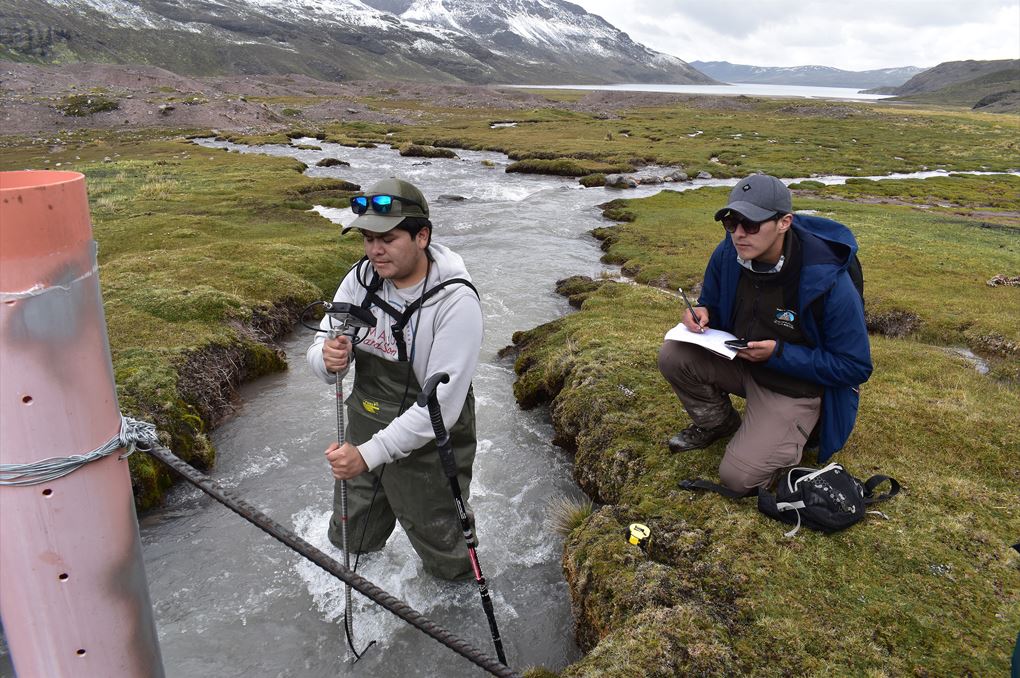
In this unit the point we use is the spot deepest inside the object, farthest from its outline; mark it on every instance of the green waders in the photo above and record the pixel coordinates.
(414, 489)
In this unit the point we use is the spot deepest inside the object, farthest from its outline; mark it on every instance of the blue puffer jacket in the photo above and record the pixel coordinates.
(841, 359)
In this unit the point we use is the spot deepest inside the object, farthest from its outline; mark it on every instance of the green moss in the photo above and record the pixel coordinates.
(593, 180)
(419, 151)
(255, 139)
(568, 167)
(83, 105)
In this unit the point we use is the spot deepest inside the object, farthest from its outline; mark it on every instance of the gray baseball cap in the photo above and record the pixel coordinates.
(407, 201)
(758, 197)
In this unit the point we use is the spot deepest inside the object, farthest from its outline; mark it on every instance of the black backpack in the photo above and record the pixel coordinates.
(828, 499)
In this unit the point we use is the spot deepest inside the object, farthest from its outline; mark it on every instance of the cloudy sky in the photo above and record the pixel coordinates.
(850, 34)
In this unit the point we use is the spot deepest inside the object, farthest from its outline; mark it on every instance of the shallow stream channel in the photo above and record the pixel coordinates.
(231, 601)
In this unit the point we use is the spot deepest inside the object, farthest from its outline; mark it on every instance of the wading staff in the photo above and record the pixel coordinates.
(343, 317)
(428, 397)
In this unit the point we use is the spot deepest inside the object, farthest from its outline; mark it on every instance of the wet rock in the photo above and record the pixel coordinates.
(704, 175)
(620, 181)
(332, 162)
(451, 198)
(650, 179)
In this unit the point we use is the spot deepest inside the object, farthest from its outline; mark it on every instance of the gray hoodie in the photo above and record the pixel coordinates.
(449, 338)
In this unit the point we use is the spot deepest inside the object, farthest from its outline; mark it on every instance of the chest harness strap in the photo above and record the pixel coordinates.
(372, 298)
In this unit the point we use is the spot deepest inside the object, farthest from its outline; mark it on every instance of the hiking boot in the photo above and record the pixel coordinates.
(695, 437)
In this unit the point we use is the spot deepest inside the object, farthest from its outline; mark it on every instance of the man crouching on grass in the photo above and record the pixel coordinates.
(781, 281)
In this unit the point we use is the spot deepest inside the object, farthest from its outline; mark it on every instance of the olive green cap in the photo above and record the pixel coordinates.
(416, 206)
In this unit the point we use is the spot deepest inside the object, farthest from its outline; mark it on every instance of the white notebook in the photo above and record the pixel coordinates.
(710, 339)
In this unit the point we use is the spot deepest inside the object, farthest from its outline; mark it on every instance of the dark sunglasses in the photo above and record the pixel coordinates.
(731, 220)
(381, 204)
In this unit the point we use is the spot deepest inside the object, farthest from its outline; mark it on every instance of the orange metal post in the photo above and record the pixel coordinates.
(73, 594)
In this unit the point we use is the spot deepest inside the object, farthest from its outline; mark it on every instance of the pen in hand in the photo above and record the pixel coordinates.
(694, 316)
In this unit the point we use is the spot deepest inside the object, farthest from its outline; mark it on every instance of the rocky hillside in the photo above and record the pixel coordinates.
(456, 41)
(992, 86)
(815, 76)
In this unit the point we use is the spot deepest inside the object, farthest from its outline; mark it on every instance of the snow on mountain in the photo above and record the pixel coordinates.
(475, 41)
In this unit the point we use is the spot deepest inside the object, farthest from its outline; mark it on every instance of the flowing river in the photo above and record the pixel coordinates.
(231, 601)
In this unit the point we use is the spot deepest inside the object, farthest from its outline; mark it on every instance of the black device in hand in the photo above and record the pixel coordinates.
(736, 343)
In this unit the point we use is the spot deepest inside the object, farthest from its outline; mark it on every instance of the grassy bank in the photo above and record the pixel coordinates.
(928, 255)
(934, 590)
(206, 257)
(206, 254)
(725, 136)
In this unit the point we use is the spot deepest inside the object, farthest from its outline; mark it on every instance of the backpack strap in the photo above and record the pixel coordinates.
(768, 505)
(874, 481)
(696, 484)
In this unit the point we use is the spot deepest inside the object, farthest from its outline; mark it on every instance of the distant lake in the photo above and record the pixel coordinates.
(734, 89)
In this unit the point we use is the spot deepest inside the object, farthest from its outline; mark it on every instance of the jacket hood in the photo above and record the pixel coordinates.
(827, 248)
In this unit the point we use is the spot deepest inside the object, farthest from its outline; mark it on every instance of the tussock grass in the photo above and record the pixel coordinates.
(566, 514)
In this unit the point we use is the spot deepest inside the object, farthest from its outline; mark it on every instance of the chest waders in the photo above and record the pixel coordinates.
(415, 490)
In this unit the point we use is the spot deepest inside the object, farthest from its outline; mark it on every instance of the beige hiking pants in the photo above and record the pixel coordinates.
(774, 428)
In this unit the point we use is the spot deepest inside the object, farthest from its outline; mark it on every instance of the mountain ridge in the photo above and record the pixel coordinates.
(992, 86)
(455, 41)
(809, 75)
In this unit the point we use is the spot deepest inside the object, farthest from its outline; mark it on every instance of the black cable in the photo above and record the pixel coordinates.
(302, 547)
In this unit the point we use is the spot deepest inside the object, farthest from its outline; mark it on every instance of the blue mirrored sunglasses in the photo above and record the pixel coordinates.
(381, 204)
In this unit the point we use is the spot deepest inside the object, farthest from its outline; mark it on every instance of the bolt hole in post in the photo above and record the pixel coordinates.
(81, 652)
(63, 576)
(27, 400)
(47, 492)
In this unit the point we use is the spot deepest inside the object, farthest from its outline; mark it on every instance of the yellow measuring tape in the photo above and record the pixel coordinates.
(638, 534)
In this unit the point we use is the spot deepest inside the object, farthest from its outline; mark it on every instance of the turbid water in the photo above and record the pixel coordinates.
(230, 601)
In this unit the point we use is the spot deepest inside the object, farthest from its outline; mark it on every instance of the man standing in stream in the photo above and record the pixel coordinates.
(428, 320)
(782, 282)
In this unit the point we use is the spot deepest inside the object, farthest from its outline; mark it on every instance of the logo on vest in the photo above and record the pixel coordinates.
(370, 406)
(785, 317)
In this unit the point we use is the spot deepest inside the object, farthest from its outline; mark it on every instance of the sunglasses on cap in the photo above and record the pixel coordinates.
(381, 204)
(731, 220)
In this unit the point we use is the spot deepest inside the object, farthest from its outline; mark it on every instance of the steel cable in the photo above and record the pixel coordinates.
(302, 547)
